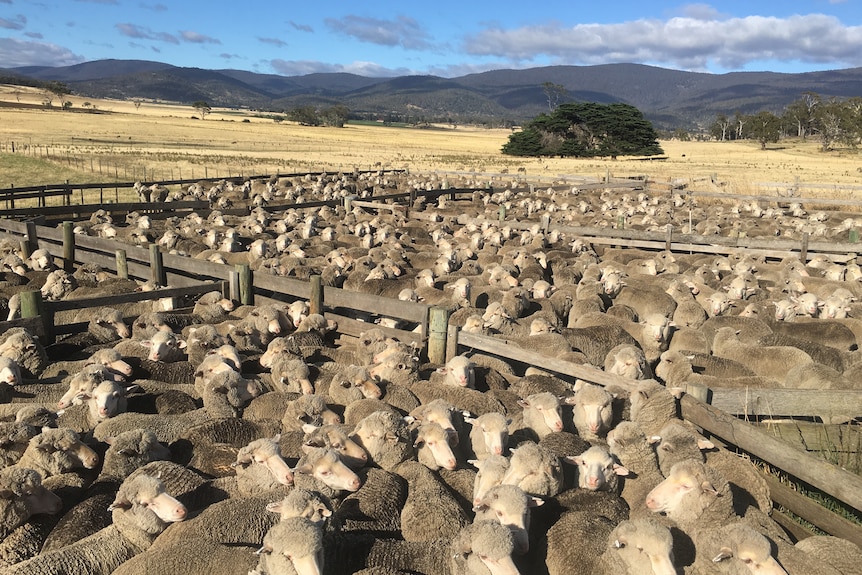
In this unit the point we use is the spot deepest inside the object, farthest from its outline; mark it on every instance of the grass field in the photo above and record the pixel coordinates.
(162, 141)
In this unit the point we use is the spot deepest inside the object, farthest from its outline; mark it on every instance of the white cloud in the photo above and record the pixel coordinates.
(699, 41)
(402, 31)
(15, 53)
(197, 38)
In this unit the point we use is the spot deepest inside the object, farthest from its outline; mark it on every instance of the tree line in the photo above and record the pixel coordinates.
(832, 121)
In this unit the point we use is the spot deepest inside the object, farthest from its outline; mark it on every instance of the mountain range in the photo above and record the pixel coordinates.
(669, 98)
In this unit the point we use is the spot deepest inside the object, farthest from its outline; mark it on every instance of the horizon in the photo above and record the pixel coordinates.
(443, 39)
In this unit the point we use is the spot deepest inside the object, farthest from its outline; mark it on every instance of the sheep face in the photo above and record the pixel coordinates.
(597, 469)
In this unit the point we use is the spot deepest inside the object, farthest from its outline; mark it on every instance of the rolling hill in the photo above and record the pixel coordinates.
(670, 98)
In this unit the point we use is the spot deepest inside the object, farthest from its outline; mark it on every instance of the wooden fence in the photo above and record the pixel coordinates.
(715, 411)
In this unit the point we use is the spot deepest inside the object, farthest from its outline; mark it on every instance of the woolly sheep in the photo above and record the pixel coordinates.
(510, 506)
(489, 473)
(628, 443)
(291, 374)
(484, 547)
(307, 409)
(489, 435)
(630, 541)
(301, 503)
(592, 411)
(692, 495)
(322, 468)
(141, 510)
(56, 451)
(22, 496)
(430, 512)
(353, 383)
(433, 445)
(293, 544)
(541, 414)
(385, 437)
(458, 371)
(335, 437)
(262, 454)
(597, 469)
(164, 346)
(679, 441)
(535, 469)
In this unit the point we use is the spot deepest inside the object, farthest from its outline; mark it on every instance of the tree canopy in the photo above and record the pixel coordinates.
(586, 129)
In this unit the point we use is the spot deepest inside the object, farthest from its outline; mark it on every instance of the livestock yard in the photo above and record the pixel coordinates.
(383, 362)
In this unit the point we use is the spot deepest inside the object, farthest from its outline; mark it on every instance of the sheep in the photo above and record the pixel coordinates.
(260, 467)
(430, 511)
(20, 345)
(293, 544)
(302, 503)
(335, 437)
(489, 435)
(535, 469)
(141, 510)
(693, 495)
(22, 496)
(510, 506)
(836, 552)
(14, 438)
(352, 383)
(593, 410)
(291, 374)
(489, 473)
(458, 371)
(628, 443)
(735, 548)
(597, 469)
(596, 341)
(165, 346)
(678, 441)
(385, 437)
(105, 400)
(483, 547)
(321, 469)
(541, 415)
(633, 539)
(767, 361)
(433, 446)
(167, 427)
(628, 361)
(375, 507)
(652, 405)
(56, 451)
(127, 452)
(307, 409)
(677, 370)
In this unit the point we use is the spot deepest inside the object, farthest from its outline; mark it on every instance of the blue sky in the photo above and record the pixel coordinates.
(440, 37)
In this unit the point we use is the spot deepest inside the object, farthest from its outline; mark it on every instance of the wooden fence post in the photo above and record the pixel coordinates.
(437, 332)
(803, 253)
(32, 236)
(233, 285)
(315, 300)
(68, 247)
(33, 306)
(157, 268)
(501, 214)
(667, 241)
(122, 264)
(246, 286)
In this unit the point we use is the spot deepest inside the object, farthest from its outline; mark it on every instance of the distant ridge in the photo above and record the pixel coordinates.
(670, 98)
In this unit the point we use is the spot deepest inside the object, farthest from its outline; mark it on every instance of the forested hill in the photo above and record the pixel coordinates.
(669, 98)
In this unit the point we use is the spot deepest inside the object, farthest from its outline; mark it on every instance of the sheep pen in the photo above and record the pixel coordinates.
(401, 379)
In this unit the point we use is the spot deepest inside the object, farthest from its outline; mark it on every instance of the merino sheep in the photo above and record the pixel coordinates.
(56, 451)
(141, 510)
(593, 410)
(22, 496)
(636, 545)
(535, 469)
(385, 437)
(322, 469)
(541, 415)
(293, 544)
(597, 469)
(489, 435)
(510, 506)
(484, 546)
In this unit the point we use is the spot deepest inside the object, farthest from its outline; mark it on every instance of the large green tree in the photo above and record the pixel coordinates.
(764, 127)
(586, 129)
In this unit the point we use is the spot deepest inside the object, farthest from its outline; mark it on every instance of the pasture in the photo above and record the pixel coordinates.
(161, 141)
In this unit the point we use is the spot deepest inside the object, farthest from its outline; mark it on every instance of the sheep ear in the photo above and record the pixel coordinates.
(418, 443)
(704, 444)
(475, 462)
(120, 503)
(524, 403)
(265, 550)
(620, 543)
(724, 553)
(274, 507)
(573, 459)
(707, 487)
(535, 502)
(309, 428)
(620, 470)
(304, 469)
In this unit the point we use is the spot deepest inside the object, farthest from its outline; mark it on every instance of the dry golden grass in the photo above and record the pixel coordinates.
(162, 141)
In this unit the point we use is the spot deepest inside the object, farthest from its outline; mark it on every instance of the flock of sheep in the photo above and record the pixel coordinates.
(255, 440)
